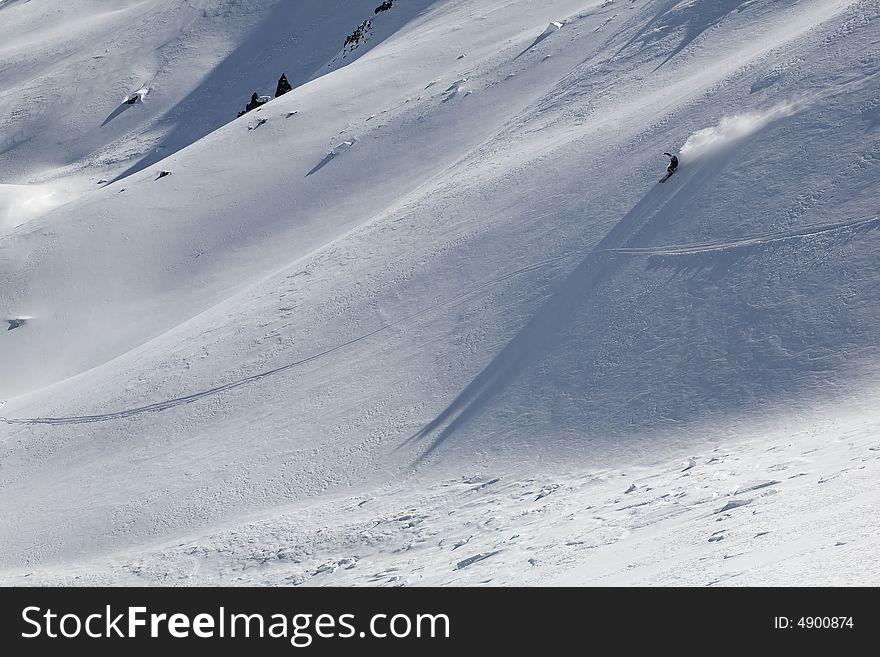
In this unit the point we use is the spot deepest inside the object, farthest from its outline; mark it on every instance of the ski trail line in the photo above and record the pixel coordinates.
(188, 399)
(864, 223)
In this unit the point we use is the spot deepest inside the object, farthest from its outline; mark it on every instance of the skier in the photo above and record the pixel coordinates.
(673, 163)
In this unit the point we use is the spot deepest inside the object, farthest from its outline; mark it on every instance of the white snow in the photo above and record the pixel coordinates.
(443, 327)
(21, 203)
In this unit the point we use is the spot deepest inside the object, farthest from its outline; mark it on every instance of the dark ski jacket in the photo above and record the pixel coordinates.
(673, 164)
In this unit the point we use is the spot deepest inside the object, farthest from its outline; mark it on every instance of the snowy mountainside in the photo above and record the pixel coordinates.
(448, 256)
(67, 66)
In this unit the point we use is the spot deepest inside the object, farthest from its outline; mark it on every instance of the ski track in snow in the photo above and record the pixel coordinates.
(861, 224)
(194, 397)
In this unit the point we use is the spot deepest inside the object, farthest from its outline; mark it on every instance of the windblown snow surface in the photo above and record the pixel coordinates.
(430, 318)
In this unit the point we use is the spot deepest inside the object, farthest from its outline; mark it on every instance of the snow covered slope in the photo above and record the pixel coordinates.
(66, 67)
(443, 254)
(785, 508)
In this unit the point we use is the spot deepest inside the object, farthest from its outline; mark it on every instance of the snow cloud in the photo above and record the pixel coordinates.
(731, 129)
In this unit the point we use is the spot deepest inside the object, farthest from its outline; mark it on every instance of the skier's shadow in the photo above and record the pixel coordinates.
(119, 110)
(541, 37)
(324, 162)
(543, 332)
